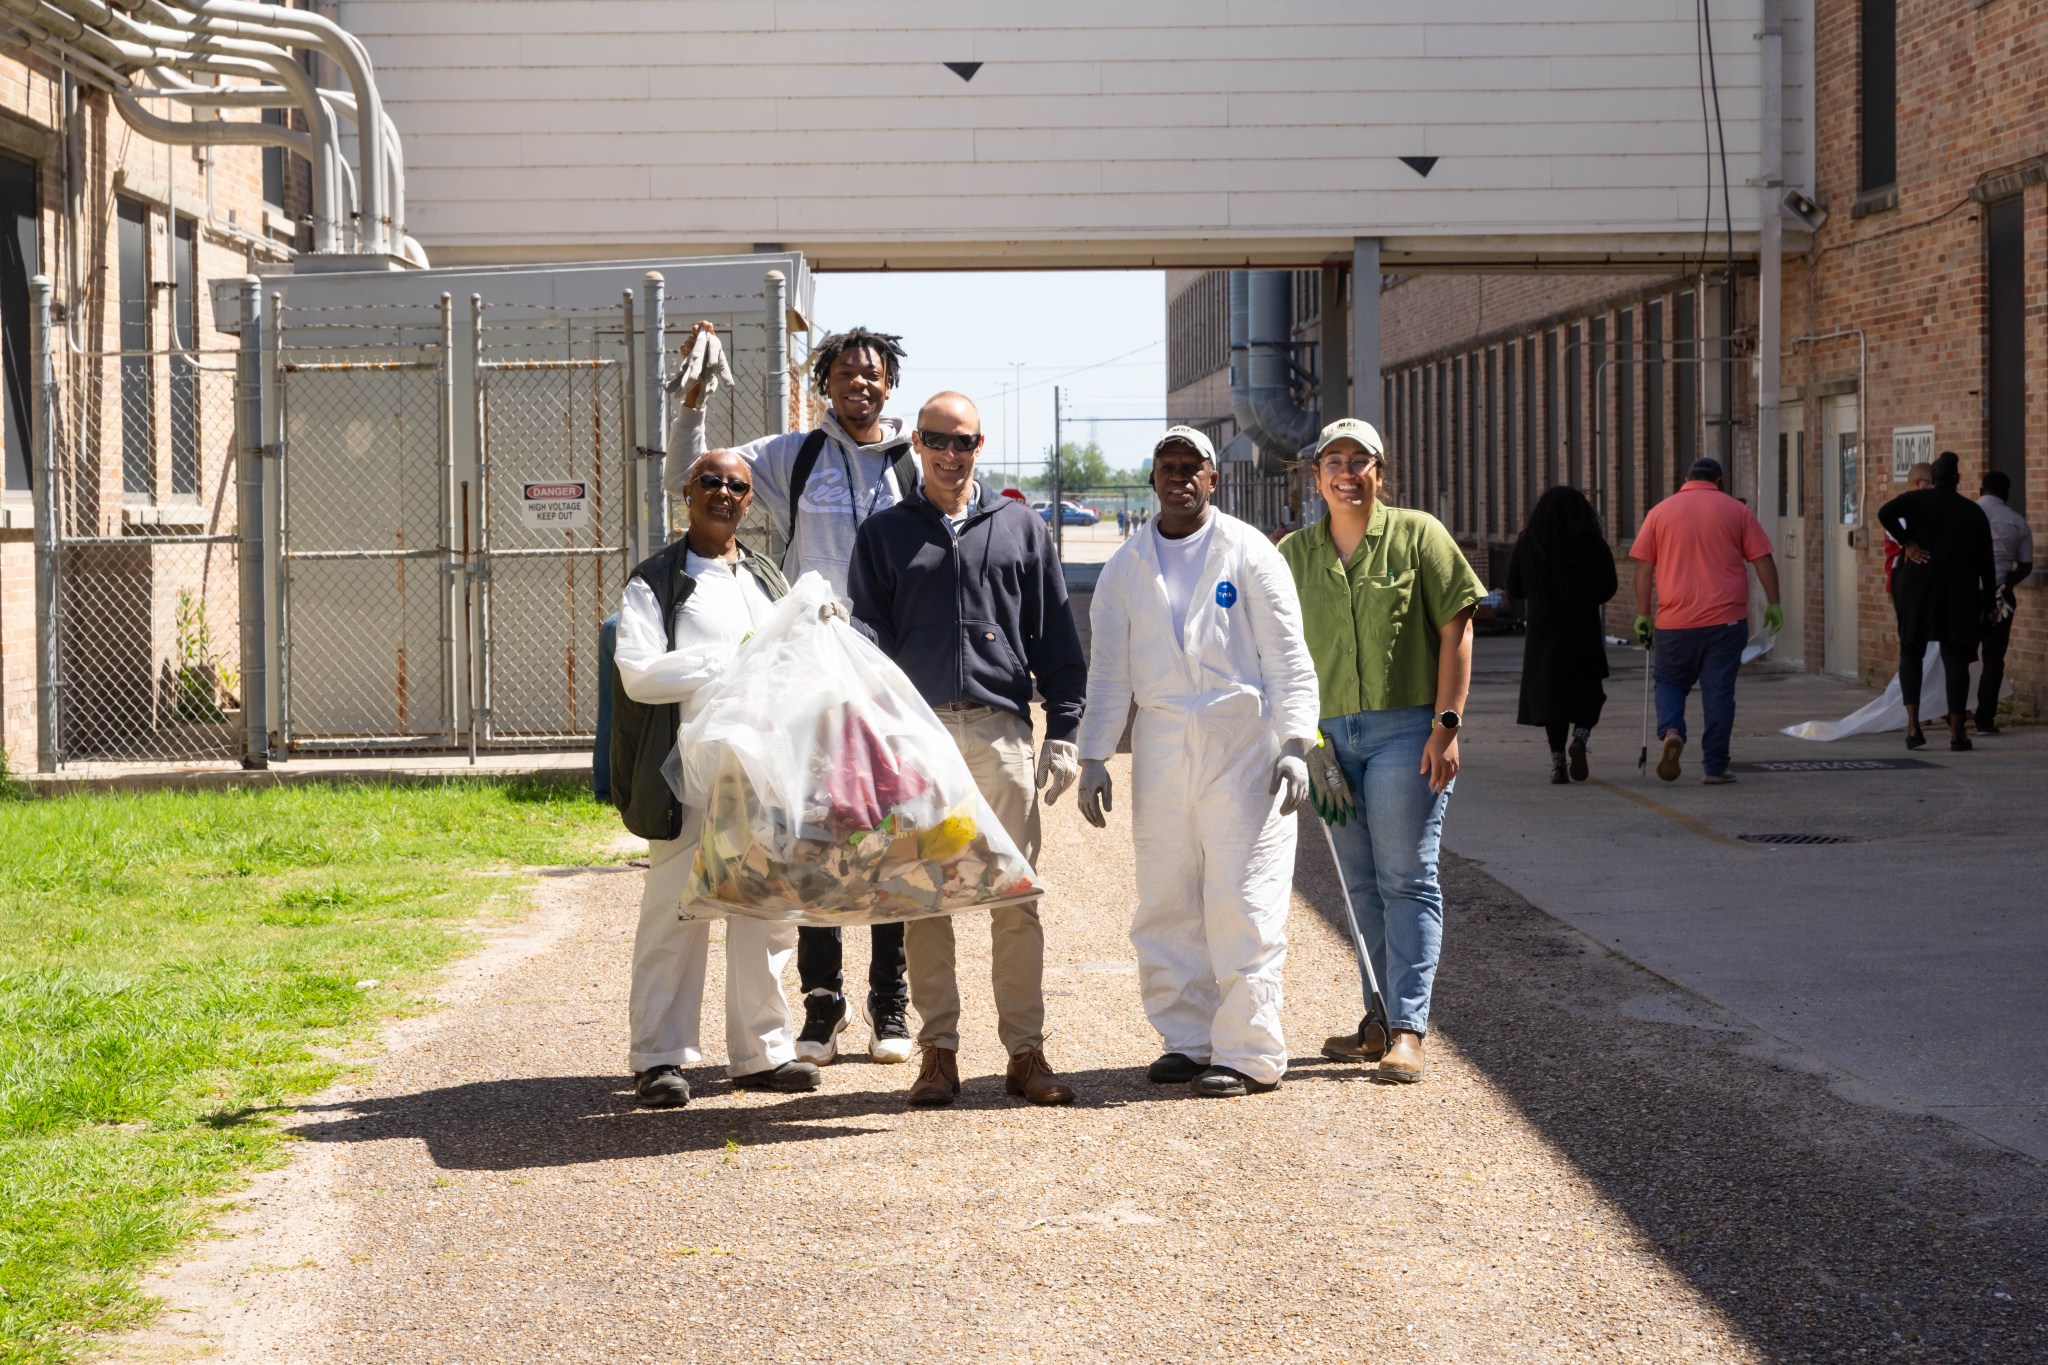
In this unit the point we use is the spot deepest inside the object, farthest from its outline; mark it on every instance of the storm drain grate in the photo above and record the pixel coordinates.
(1799, 838)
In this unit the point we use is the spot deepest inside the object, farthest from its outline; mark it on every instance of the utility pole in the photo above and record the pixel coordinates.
(1058, 521)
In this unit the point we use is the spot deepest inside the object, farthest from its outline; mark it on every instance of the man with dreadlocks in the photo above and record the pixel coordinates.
(818, 487)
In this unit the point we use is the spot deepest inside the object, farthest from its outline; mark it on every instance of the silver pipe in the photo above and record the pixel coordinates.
(283, 574)
(249, 517)
(451, 565)
(1770, 263)
(654, 416)
(775, 384)
(43, 436)
(480, 692)
(635, 504)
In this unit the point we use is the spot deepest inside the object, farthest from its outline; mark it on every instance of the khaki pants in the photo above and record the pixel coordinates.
(997, 747)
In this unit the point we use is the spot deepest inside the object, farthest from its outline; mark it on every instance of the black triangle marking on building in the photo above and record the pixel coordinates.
(964, 70)
(1421, 165)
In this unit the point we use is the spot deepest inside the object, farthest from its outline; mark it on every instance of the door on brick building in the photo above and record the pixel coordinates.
(1842, 487)
(1789, 534)
(18, 261)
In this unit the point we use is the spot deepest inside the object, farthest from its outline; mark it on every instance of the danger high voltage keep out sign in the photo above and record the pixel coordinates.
(558, 505)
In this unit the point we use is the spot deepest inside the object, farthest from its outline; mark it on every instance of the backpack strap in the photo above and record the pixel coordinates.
(800, 474)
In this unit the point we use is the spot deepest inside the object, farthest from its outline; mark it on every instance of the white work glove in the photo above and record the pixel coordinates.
(835, 610)
(1094, 791)
(1059, 760)
(1290, 777)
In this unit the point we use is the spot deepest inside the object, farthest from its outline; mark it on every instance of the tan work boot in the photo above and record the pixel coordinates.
(1366, 1045)
(1031, 1079)
(1403, 1059)
(938, 1078)
(1667, 762)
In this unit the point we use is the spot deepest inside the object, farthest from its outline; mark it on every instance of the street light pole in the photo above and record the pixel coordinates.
(1058, 521)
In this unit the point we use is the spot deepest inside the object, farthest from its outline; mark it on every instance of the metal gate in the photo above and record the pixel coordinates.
(369, 566)
(556, 469)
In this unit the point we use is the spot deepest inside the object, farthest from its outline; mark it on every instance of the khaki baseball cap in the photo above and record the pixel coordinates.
(1186, 436)
(1353, 429)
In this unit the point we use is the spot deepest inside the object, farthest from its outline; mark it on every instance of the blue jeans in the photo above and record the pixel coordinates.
(1387, 854)
(1709, 656)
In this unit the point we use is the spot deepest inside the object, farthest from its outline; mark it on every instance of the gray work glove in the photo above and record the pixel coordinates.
(1094, 791)
(1330, 794)
(1290, 777)
(835, 610)
(1060, 761)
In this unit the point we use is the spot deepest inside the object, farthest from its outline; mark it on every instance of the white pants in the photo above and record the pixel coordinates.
(1215, 864)
(669, 955)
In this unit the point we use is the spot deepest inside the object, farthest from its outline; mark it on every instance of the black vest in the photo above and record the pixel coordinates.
(642, 735)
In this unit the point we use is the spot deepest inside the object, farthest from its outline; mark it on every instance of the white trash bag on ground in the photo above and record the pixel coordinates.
(819, 788)
(1888, 712)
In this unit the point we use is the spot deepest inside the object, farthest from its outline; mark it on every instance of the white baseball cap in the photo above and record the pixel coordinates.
(1352, 429)
(1186, 436)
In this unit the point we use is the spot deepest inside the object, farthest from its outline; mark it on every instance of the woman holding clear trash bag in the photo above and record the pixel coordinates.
(684, 614)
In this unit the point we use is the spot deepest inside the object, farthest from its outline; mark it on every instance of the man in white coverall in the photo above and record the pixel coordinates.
(721, 593)
(1195, 617)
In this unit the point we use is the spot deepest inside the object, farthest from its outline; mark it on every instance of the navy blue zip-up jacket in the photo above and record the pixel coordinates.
(978, 619)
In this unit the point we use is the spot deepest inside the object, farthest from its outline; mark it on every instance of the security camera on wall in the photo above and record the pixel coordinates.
(1809, 214)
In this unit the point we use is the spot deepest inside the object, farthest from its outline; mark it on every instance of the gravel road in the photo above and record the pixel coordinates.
(1599, 1167)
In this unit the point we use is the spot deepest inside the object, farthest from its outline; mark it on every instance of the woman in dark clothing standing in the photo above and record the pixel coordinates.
(1564, 569)
(1942, 590)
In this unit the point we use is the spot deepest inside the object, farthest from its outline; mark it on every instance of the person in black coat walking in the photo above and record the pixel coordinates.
(1564, 569)
(1942, 590)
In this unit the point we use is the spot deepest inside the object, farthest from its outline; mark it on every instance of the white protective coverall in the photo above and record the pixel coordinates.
(669, 952)
(1215, 858)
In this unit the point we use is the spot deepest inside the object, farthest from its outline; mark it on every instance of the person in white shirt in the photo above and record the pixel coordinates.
(716, 594)
(1196, 619)
(2012, 560)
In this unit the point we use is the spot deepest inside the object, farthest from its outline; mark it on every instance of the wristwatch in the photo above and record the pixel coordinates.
(1450, 720)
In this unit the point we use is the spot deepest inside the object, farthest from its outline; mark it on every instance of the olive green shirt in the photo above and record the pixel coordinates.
(1374, 624)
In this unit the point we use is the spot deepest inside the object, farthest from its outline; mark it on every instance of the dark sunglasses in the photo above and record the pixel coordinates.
(711, 483)
(950, 440)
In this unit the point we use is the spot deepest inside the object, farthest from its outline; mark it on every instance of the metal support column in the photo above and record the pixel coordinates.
(43, 438)
(1365, 331)
(1770, 266)
(249, 522)
(775, 384)
(653, 410)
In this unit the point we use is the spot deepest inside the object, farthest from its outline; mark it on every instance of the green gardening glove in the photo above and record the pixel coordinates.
(1774, 619)
(1643, 630)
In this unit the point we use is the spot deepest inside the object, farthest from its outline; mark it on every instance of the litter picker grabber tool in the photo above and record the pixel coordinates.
(1378, 1008)
(1643, 757)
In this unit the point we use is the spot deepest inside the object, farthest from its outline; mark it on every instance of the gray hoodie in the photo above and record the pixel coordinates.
(850, 483)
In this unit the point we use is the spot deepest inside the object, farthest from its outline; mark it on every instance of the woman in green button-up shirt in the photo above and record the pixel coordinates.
(1386, 603)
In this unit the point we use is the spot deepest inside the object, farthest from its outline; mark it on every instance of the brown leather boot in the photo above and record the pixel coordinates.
(938, 1078)
(1366, 1045)
(1403, 1061)
(1030, 1078)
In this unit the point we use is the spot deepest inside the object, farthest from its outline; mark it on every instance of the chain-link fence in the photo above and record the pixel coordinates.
(144, 558)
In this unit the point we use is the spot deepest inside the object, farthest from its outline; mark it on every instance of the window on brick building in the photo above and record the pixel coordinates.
(138, 425)
(1626, 358)
(1552, 416)
(1878, 94)
(18, 261)
(184, 364)
(1685, 382)
(1198, 329)
(1596, 468)
(1510, 423)
(1454, 476)
(2005, 378)
(1655, 418)
(1574, 407)
(1531, 488)
(1487, 487)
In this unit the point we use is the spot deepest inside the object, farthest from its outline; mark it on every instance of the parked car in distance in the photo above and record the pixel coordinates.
(1071, 513)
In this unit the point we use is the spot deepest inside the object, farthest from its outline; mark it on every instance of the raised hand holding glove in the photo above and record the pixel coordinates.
(1059, 760)
(1290, 777)
(1774, 619)
(1328, 790)
(1643, 631)
(1094, 791)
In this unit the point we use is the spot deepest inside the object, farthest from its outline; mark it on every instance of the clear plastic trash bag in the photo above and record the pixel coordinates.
(819, 788)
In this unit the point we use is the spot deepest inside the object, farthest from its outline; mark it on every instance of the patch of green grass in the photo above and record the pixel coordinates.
(167, 962)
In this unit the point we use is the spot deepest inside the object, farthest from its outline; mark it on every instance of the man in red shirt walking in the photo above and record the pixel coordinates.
(1691, 551)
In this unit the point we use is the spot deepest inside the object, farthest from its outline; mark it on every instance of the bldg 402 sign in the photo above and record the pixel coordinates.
(558, 505)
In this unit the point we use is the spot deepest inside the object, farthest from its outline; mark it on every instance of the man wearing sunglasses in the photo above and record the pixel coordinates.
(817, 488)
(1197, 620)
(960, 586)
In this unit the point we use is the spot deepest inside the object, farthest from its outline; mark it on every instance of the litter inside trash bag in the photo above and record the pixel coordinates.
(819, 788)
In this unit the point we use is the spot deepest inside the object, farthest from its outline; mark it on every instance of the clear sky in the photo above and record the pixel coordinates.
(969, 331)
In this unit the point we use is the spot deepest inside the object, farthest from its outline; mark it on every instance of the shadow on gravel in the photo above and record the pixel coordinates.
(1821, 1228)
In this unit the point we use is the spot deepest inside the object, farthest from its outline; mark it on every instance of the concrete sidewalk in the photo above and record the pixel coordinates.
(1912, 958)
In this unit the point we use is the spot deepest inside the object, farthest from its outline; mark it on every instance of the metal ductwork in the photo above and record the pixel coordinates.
(1261, 366)
(118, 46)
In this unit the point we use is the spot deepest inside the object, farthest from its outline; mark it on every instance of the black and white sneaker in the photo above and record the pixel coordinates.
(888, 1034)
(661, 1087)
(825, 1017)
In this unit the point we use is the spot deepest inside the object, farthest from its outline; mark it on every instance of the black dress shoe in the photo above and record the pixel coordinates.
(1915, 740)
(661, 1087)
(1175, 1068)
(790, 1078)
(1221, 1082)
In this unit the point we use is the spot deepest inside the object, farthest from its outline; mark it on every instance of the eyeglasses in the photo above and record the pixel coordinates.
(963, 442)
(711, 483)
(1357, 464)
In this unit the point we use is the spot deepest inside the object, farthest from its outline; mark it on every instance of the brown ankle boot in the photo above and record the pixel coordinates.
(1030, 1078)
(1366, 1045)
(1403, 1061)
(938, 1078)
